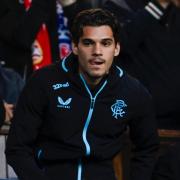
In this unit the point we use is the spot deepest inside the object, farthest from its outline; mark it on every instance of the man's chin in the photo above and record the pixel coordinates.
(97, 76)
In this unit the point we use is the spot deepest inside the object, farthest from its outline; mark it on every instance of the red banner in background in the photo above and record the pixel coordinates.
(41, 51)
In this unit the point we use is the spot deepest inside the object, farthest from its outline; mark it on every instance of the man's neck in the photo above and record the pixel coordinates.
(93, 82)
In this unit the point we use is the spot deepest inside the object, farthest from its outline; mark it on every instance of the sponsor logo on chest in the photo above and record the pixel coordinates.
(60, 85)
(65, 104)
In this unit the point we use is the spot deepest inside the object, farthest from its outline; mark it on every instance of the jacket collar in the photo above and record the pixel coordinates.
(70, 67)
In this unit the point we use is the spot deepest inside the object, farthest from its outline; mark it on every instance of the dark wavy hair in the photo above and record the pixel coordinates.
(94, 17)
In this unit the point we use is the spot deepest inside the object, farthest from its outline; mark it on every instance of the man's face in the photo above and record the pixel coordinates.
(96, 50)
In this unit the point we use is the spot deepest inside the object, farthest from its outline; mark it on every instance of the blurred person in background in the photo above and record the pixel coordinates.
(150, 51)
(11, 84)
(35, 33)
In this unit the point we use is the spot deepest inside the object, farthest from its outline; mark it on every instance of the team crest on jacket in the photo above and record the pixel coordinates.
(118, 109)
(64, 103)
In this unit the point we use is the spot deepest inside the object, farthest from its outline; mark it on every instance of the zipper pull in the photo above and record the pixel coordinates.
(92, 103)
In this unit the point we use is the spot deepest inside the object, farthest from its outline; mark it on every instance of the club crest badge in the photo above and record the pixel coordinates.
(118, 109)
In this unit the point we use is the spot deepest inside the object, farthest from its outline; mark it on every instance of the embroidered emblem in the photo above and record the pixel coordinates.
(64, 104)
(117, 108)
(59, 85)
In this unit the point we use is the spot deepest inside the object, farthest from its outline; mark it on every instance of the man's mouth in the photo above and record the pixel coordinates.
(96, 61)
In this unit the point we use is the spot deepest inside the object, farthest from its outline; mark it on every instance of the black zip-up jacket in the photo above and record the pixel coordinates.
(150, 52)
(61, 129)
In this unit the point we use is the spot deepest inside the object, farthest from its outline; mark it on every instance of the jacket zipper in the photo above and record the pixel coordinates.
(84, 134)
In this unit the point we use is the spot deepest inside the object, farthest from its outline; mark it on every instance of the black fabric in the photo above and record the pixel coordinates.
(19, 29)
(150, 52)
(49, 123)
(168, 165)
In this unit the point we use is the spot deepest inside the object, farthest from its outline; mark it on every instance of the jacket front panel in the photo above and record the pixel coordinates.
(70, 107)
(61, 124)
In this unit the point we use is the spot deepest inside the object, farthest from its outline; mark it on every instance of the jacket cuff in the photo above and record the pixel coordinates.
(155, 9)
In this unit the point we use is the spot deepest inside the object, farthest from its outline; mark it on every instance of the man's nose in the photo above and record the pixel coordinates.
(97, 50)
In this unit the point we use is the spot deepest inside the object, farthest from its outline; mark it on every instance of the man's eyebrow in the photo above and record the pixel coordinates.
(91, 40)
(87, 39)
(107, 39)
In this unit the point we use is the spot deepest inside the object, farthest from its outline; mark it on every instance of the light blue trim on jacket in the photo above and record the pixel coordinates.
(63, 64)
(120, 71)
(79, 175)
(93, 99)
(39, 153)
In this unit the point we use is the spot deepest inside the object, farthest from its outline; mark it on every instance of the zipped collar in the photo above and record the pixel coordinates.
(70, 66)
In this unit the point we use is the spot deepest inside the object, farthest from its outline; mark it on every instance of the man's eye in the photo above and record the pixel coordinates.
(107, 43)
(87, 43)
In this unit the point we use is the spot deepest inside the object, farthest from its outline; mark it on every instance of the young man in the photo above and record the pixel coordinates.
(71, 117)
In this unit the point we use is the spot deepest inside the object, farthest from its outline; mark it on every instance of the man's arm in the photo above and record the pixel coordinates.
(143, 134)
(6, 112)
(9, 108)
(24, 130)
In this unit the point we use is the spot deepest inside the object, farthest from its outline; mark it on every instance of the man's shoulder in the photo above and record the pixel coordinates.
(50, 69)
(47, 73)
(134, 85)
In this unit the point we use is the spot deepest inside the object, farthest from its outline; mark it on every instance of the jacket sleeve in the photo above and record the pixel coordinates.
(20, 27)
(145, 141)
(24, 130)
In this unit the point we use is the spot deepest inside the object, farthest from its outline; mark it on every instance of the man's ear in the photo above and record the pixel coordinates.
(117, 49)
(75, 48)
